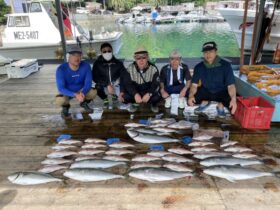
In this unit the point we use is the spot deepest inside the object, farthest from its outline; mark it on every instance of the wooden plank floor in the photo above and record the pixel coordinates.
(30, 123)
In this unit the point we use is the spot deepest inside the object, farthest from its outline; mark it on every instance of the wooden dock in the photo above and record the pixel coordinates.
(30, 123)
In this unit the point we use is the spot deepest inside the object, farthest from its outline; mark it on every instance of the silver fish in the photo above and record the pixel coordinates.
(228, 143)
(115, 158)
(177, 159)
(65, 147)
(163, 121)
(203, 149)
(234, 173)
(145, 165)
(238, 149)
(95, 141)
(90, 175)
(145, 158)
(150, 139)
(182, 124)
(94, 146)
(180, 151)
(204, 155)
(144, 130)
(157, 174)
(204, 137)
(166, 130)
(60, 154)
(121, 145)
(245, 155)
(55, 161)
(134, 125)
(119, 152)
(159, 125)
(200, 143)
(177, 167)
(96, 163)
(51, 168)
(71, 142)
(31, 178)
(229, 161)
(158, 153)
(87, 157)
(91, 152)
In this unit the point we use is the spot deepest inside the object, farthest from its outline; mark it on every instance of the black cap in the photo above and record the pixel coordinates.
(209, 46)
(74, 49)
(105, 44)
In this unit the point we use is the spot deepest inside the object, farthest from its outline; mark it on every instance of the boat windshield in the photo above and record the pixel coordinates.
(35, 7)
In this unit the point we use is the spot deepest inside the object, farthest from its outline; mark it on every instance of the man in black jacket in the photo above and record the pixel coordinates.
(140, 81)
(106, 73)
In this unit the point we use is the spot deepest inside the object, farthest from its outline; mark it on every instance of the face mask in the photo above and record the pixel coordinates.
(107, 56)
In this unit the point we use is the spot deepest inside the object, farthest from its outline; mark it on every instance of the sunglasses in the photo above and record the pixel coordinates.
(108, 51)
(141, 58)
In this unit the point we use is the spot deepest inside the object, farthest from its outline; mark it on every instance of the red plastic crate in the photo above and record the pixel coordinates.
(254, 112)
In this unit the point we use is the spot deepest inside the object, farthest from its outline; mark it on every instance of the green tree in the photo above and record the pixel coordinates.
(119, 5)
(4, 9)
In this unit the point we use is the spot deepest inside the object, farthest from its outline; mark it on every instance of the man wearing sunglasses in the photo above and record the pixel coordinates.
(106, 73)
(140, 81)
(73, 79)
(217, 82)
(175, 78)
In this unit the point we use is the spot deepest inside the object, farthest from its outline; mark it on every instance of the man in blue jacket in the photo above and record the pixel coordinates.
(74, 80)
(217, 82)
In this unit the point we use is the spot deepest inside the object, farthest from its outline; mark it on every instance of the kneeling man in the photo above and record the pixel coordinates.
(217, 82)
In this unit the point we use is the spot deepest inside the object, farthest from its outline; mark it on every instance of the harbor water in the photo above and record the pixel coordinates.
(163, 38)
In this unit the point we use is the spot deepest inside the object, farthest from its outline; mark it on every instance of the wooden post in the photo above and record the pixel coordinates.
(243, 35)
(60, 25)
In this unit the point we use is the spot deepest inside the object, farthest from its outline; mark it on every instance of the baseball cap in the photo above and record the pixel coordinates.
(140, 50)
(209, 46)
(74, 49)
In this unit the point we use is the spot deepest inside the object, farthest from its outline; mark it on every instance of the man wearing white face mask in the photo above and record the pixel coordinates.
(106, 73)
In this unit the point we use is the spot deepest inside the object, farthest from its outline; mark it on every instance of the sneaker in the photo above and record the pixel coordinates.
(182, 102)
(65, 111)
(201, 108)
(132, 108)
(86, 107)
(167, 104)
(221, 112)
(154, 109)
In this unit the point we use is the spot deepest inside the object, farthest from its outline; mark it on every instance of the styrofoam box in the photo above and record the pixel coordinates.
(22, 68)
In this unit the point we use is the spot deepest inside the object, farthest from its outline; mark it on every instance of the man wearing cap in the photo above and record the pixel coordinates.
(175, 78)
(140, 81)
(218, 84)
(106, 73)
(74, 80)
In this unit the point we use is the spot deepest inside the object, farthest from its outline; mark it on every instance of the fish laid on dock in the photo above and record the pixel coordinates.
(65, 147)
(204, 155)
(157, 153)
(177, 159)
(95, 141)
(91, 152)
(94, 146)
(182, 124)
(87, 157)
(204, 137)
(235, 173)
(145, 165)
(203, 149)
(71, 142)
(145, 158)
(237, 149)
(228, 143)
(119, 152)
(177, 167)
(134, 125)
(90, 175)
(31, 178)
(245, 155)
(60, 154)
(229, 161)
(200, 143)
(115, 158)
(51, 168)
(157, 174)
(55, 161)
(150, 139)
(96, 163)
(121, 145)
(180, 151)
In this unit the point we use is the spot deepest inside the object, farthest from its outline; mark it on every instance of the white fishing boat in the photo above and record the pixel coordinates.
(35, 34)
(233, 12)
